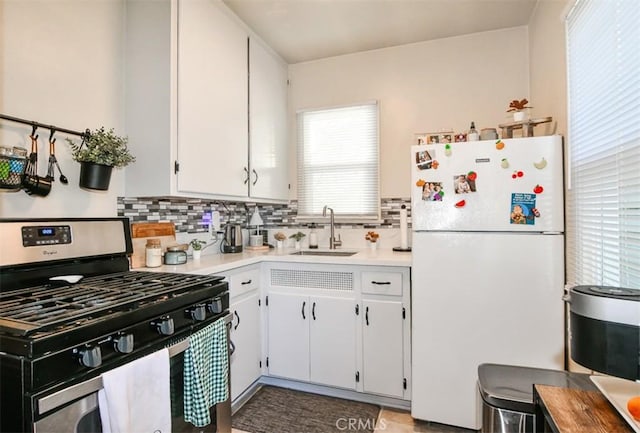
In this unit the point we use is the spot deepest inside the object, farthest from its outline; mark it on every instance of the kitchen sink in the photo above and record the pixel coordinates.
(324, 253)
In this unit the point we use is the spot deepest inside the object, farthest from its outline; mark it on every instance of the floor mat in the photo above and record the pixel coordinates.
(280, 410)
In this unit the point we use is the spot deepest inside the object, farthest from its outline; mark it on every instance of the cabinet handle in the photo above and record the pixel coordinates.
(256, 173)
(237, 317)
(313, 311)
(381, 283)
(304, 303)
(246, 170)
(245, 282)
(366, 315)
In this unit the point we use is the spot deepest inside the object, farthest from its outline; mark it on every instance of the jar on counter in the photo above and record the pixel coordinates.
(313, 237)
(153, 252)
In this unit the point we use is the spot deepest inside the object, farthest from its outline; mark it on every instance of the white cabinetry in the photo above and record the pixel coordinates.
(386, 360)
(246, 335)
(342, 326)
(332, 335)
(383, 368)
(267, 124)
(312, 326)
(187, 104)
(212, 100)
(288, 352)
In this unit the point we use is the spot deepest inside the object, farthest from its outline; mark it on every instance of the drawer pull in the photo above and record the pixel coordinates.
(381, 283)
(246, 282)
(238, 317)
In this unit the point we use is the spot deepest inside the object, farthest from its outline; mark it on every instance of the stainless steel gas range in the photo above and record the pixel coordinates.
(70, 310)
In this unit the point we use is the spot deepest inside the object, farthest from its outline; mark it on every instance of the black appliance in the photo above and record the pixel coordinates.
(70, 309)
(232, 241)
(605, 329)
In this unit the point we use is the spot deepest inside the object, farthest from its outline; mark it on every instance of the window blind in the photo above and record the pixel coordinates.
(603, 201)
(338, 161)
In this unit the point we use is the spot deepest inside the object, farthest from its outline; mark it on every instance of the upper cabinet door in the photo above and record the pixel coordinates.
(268, 124)
(212, 100)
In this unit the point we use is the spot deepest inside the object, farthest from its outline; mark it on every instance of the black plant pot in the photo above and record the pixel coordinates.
(95, 176)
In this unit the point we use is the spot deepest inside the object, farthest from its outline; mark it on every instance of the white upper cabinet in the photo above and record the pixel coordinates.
(191, 119)
(212, 100)
(267, 124)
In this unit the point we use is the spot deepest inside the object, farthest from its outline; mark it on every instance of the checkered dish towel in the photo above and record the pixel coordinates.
(206, 367)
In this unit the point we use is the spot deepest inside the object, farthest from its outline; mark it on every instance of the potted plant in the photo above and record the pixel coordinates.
(298, 237)
(196, 246)
(372, 237)
(98, 153)
(517, 108)
(280, 237)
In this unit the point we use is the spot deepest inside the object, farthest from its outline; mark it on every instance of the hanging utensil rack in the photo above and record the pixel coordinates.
(52, 128)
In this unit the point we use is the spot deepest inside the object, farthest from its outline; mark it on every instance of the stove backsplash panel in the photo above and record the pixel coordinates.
(187, 214)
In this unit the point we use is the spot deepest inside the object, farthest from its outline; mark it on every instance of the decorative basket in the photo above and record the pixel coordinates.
(11, 172)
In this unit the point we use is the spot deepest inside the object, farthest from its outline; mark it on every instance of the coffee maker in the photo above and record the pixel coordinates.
(232, 241)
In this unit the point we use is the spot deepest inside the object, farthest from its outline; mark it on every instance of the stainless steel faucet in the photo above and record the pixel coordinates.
(333, 242)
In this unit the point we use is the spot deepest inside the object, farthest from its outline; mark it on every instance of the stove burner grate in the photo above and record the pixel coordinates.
(48, 306)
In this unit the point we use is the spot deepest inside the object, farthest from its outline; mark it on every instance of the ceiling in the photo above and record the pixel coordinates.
(304, 30)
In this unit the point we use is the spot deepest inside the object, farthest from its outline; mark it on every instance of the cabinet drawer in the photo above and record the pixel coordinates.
(244, 282)
(382, 283)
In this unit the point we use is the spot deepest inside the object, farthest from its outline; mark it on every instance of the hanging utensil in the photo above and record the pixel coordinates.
(32, 183)
(53, 161)
(32, 163)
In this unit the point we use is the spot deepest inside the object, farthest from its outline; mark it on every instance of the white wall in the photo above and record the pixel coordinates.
(61, 64)
(548, 64)
(422, 87)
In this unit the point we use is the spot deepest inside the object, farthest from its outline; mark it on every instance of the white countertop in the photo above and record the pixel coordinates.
(216, 263)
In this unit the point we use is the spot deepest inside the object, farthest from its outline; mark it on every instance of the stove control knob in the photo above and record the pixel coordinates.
(215, 306)
(90, 356)
(123, 343)
(198, 312)
(164, 325)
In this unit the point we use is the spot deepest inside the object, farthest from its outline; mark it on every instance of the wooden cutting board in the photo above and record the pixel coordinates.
(140, 232)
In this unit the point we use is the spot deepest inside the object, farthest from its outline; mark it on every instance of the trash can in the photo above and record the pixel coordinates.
(507, 394)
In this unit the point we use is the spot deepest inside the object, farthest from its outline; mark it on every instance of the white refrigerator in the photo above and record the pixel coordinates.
(488, 267)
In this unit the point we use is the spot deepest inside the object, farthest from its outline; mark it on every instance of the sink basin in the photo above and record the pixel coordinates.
(324, 253)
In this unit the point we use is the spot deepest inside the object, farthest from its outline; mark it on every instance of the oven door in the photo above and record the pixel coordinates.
(75, 409)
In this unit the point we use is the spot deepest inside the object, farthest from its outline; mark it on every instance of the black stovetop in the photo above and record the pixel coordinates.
(51, 308)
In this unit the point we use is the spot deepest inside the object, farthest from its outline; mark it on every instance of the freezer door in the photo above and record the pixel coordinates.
(511, 185)
(481, 298)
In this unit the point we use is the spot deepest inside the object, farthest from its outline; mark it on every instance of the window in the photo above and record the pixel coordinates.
(338, 162)
(603, 202)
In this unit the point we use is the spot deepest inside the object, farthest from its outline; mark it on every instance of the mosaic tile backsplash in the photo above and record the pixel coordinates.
(187, 214)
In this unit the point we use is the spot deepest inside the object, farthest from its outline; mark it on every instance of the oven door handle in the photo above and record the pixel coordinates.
(57, 399)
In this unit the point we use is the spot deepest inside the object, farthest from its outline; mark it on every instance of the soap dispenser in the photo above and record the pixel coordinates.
(313, 237)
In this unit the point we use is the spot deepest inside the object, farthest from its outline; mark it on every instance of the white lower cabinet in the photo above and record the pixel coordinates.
(246, 327)
(386, 328)
(245, 335)
(312, 338)
(288, 335)
(341, 326)
(332, 331)
(382, 346)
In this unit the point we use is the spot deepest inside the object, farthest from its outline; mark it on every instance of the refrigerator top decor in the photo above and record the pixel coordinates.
(510, 185)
